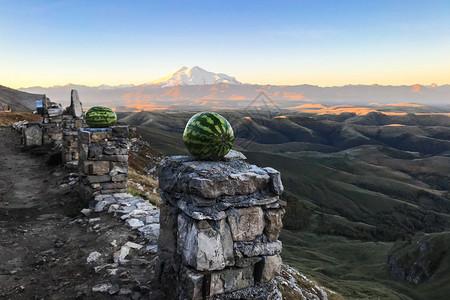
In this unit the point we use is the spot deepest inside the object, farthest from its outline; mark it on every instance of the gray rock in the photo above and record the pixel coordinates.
(258, 248)
(86, 211)
(274, 223)
(134, 223)
(205, 247)
(211, 179)
(276, 185)
(102, 287)
(32, 135)
(151, 231)
(93, 257)
(76, 108)
(233, 155)
(267, 268)
(246, 223)
(119, 256)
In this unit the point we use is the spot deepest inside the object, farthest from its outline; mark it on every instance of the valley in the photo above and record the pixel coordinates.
(356, 185)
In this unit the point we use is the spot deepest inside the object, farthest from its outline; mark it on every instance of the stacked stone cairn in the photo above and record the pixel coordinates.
(72, 120)
(51, 124)
(220, 222)
(103, 160)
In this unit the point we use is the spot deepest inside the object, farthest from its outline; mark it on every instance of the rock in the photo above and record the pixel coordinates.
(98, 167)
(276, 186)
(274, 223)
(134, 223)
(233, 155)
(211, 179)
(32, 135)
(102, 287)
(119, 256)
(267, 268)
(150, 232)
(93, 257)
(246, 223)
(86, 211)
(205, 247)
(76, 108)
(258, 248)
(133, 245)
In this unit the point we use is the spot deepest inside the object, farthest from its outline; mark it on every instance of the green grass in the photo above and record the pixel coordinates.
(357, 269)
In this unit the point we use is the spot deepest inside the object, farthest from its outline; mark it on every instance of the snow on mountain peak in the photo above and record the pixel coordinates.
(194, 76)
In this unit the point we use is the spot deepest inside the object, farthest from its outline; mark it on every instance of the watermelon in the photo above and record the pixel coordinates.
(208, 136)
(100, 116)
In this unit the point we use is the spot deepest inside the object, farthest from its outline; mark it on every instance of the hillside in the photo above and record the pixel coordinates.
(353, 182)
(18, 101)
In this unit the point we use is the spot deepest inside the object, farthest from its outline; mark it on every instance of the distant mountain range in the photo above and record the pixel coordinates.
(196, 88)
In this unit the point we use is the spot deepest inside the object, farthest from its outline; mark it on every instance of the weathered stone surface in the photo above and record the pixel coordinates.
(203, 246)
(211, 179)
(274, 223)
(113, 185)
(276, 186)
(134, 223)
(246, 223)
(84, 137)
(231, 279)
(120, 177)
(98, 167)
(118, 168)
(258, 248)
(120, 131)
(32, 135)
(234, 155)
(75, 104)
(267, 268)
(99, 136)
(167, 241)
(98, 178)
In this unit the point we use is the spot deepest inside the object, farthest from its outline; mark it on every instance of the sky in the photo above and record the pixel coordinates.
(325, 43)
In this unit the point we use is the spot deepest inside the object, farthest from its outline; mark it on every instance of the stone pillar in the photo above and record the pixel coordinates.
(70, 126)
(72, 119)
(102, 160)
(220, 223)
(51, 125)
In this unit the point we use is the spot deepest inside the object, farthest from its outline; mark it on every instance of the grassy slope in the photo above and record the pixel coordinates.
(352, 194)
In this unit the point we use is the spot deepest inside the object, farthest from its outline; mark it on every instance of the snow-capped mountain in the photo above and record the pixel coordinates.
(194, 76)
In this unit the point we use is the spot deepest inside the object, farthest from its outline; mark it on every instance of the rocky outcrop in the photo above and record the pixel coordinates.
(420, 258)
(220, 223)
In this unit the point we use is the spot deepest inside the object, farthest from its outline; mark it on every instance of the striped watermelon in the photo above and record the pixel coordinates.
(208, 136)
(100, 116)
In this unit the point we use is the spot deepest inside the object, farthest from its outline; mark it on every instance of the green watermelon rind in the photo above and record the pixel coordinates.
(208, 136)
(100, 116)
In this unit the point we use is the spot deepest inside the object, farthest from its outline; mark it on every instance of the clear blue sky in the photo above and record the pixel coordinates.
(279, 42)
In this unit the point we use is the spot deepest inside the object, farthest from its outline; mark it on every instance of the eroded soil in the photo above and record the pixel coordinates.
(45, 241)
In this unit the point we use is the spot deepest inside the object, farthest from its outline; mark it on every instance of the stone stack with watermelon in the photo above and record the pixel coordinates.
(103, 160)
(220, 222)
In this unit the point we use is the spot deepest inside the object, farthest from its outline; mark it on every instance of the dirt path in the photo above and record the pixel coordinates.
(45, 242)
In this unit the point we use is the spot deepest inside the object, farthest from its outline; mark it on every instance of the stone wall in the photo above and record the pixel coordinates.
(70, 126)
(103, 160)
(220, 223)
